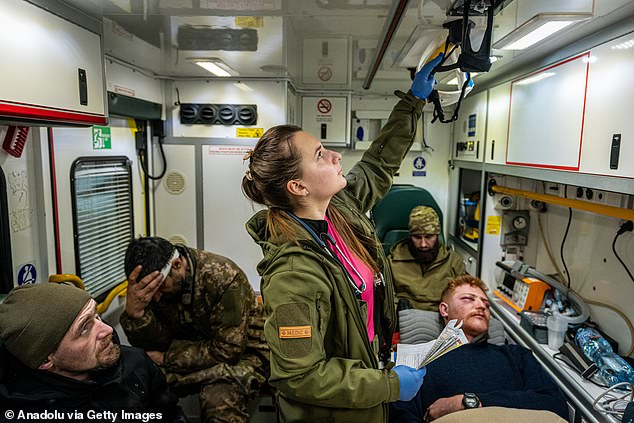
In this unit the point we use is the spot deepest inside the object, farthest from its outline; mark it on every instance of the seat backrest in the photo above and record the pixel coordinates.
(391, 214)
(420, 326)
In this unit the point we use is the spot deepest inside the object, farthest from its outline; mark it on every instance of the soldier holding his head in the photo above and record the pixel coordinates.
(421, 265)
(196, 315)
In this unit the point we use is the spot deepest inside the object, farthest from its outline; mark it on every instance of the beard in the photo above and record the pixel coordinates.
(475, 326)
(424, 256)
(108, 354)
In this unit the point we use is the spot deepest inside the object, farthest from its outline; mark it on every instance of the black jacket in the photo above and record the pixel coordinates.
(134, 385)
(500, 375)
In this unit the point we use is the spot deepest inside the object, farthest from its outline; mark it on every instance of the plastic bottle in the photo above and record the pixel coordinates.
(611, 366)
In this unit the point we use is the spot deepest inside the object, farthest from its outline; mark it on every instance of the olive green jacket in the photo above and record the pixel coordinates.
(422, 285)
(321, 359)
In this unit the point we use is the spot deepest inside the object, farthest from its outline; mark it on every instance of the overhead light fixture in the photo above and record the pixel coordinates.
(244, 87)
(623, 46)
(214, 65)
(535, 78)
(536, 29)
(451, 79)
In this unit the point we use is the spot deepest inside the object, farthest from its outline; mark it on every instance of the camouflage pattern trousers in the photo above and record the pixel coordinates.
(225, 390)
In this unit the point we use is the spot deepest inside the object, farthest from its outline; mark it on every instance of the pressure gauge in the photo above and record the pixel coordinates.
(520, 222)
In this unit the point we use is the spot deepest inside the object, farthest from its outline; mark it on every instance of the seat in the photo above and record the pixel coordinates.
(391, 214)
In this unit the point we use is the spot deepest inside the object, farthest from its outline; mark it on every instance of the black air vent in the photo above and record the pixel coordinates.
(247, 114)
(208, 113)
(219, 114)
(226, 114)
(205, 38)
(188, 112)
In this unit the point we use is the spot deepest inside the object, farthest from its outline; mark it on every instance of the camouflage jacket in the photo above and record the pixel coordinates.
(222, 322)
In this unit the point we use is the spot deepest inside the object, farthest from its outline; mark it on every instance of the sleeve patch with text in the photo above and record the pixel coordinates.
(293, 332)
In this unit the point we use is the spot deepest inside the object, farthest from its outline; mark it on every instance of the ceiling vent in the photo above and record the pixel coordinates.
(227, 39)
(219, 114)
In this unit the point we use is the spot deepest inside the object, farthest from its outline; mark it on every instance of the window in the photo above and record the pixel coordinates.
(102, 219)
(6, 266)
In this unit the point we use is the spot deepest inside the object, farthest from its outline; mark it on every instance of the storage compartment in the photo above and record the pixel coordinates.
(467, 225)
(52, 69)
(326, 61)
(547, 116)
(608, 132)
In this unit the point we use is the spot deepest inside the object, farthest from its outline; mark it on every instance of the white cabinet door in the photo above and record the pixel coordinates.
(497, 123)
(52, 69)
(609, 111)
(546, 116)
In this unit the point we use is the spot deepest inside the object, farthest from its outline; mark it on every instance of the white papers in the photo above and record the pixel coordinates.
(420, 355)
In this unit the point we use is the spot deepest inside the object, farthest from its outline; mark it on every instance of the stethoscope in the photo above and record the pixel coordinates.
(321, 241)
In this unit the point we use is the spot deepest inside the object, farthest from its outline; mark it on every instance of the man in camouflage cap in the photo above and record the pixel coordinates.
(421, 265)
(196, 315)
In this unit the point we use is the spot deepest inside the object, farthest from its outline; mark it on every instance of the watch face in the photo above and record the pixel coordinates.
(470, 400)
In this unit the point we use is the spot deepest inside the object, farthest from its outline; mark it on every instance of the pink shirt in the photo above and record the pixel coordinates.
(363, 269)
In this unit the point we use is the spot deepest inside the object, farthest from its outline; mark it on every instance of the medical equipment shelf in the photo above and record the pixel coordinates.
(580, 392)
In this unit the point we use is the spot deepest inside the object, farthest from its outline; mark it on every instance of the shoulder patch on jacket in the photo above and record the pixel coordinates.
(294, 329)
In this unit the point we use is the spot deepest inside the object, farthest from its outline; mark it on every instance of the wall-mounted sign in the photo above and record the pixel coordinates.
(472, 125)
(249, 132)
(27, 274)
(419, 166)
(326, 118)
(101, 139)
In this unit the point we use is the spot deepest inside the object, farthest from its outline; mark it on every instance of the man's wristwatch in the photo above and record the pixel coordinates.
(470, 400)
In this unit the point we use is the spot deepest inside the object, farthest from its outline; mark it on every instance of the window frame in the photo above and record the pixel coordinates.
(92, 162)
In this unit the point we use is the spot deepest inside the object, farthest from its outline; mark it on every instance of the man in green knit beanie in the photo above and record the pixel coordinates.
(58, 357)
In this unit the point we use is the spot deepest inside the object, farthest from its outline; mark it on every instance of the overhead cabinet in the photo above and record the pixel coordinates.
(546, 116)
(608, 136)
(52, 69)
(573, 115)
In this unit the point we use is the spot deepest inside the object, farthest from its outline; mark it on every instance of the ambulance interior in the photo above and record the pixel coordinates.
(534, 173)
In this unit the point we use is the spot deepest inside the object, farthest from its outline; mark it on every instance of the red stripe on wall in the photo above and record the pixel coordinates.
(48, 115)
(51, 155)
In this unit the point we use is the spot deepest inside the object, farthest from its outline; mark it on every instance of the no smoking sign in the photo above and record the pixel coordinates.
(324, 106)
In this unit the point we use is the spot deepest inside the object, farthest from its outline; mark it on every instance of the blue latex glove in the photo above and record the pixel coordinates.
(410, 381)
(424, 80)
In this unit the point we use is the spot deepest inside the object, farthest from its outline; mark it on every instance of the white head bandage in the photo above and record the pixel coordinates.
(166, 269)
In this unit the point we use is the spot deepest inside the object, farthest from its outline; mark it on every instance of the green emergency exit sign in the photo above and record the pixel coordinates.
(101, 138)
